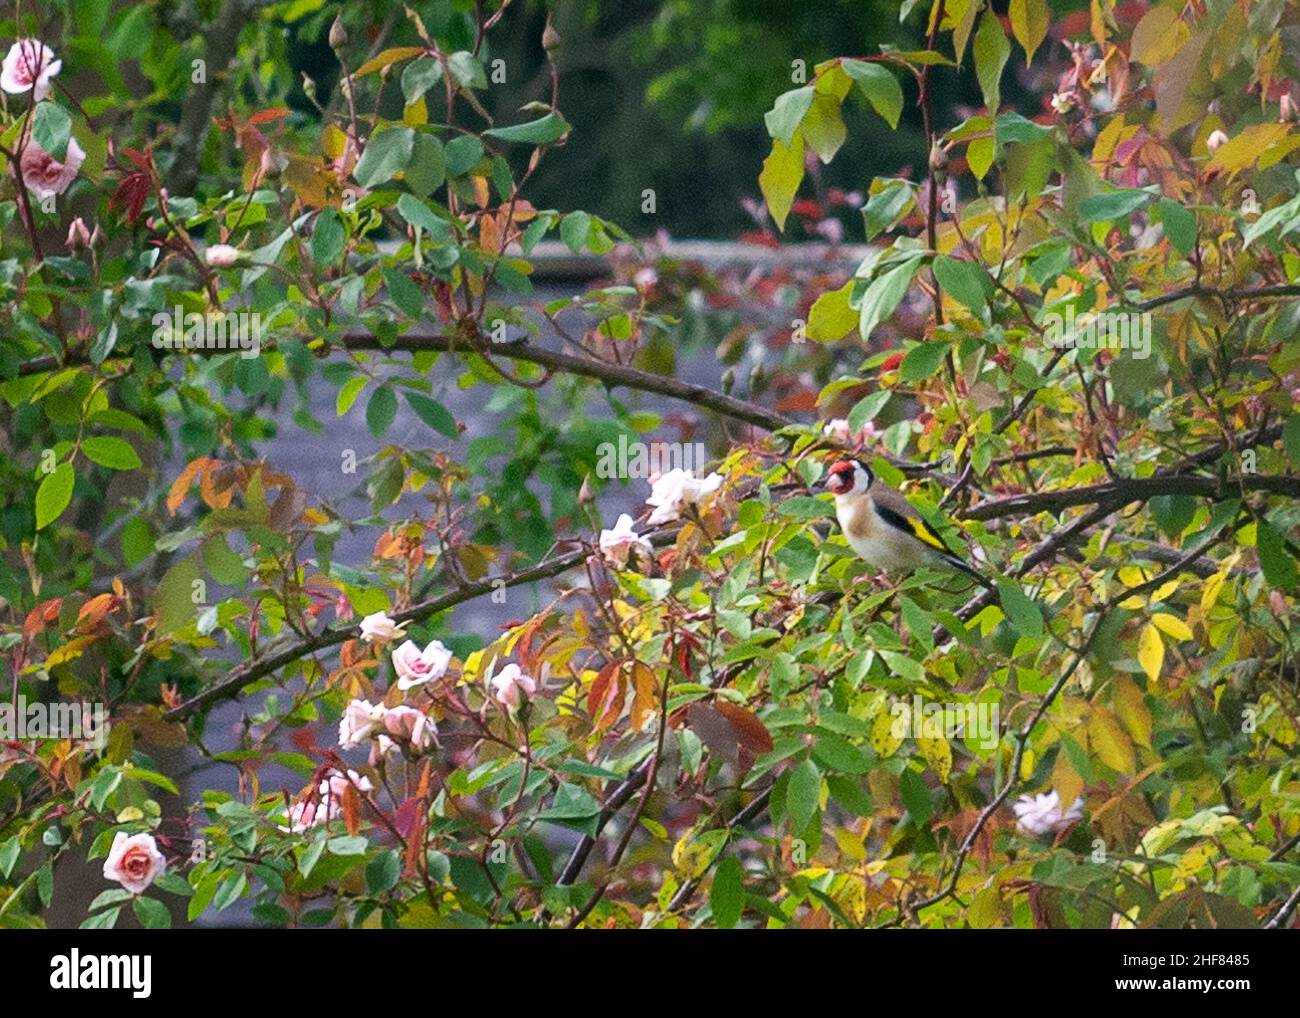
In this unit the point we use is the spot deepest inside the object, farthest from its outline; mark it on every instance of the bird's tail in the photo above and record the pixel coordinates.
(974, 574)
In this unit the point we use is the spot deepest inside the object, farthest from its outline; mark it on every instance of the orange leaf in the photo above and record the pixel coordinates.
(645, 694)
(94, 610)
(181, 486)
(605, 701)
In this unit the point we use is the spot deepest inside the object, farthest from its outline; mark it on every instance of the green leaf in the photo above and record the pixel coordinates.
(879, 86)
(386, 154)
(803, 795)
(433, 413)
(111, 452)
(1278, 566)
(1112, 204)
(417, 213)
(327, 237)
(427, 170)
(381, 410)
(153, 914)
(383, 871)
(53, 494)
(51, 128)
(419, 76)
(405, 293)
(966, 281)
(173, 599)
(922, 360)
(462, 154)
(780, 179)
(992, 49)
(1291, 438)
(886, 206)
(867, 408)
(915, 794)
(575, 229)
(787, 112)
(1021, 610)
(727, 895)
(1179, 224)
(224, 565)
(884, 295)
(102, 920)
(348, 394)
(543, 131)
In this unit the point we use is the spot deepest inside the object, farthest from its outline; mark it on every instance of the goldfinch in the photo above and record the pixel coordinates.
(883, 527)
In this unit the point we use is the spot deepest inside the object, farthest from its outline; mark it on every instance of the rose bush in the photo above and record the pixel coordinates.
(712, 712)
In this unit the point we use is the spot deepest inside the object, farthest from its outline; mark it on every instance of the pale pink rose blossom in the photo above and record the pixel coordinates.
(379, 628)
(616, 544)
(134, 861)
(335, 783)
(415, 667)
(44, 175)
(410, 725)
(360, 721)
(839, 430)
(78, 235)
(29, 62)
(509, 683)
(671, 492)
(222, 256)
(1216, 140)
(1041, 814)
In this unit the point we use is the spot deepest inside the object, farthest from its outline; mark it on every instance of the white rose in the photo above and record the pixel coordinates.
(415, 667)
(616, 544)
(671, 492)
(380, 628)
(222, 256)
(1041, 814)
(360, 721)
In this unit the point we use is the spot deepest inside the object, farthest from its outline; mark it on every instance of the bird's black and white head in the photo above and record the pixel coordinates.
(848, 477)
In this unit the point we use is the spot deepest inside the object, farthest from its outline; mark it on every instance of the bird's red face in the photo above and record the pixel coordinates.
(846, 476)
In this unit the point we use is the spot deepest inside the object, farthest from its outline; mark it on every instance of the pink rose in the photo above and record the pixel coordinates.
(509, 683)
(29, 62)
(409, 725)
(78, 235)
(44, 175)
(134, 861)
(415, 667)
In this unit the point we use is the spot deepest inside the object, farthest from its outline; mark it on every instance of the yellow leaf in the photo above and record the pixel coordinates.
(1172, 625)
(886, 735)
(1065, 779)
(1248, 146)
(1112, 746)
(938, 754)
(693, 854)
(781, 176)
(388, 56)
(1158, 36)
(830, 317)
(1164, 590)
(1151, 652)
(1131, 708)
(1029, 24)
(1211, 592)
